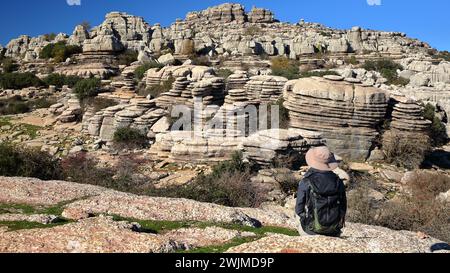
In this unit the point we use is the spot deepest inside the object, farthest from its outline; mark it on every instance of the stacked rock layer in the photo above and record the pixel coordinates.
(347, 114)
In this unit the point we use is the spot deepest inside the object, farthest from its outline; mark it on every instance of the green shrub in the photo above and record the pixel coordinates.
(388, 69)
(41, 103)
(9, 65)
(140, 71)
(352, 60)
(224, 73)
(309, 74)
(59, 51)
(49, 37)
(437, 131)
(252, 31)
(127, 57)
(87, 88)
(26, 162)
(200, 60)
(19, 80)
(59, 80)
(129, 137)
(156, 90)
(282, 66)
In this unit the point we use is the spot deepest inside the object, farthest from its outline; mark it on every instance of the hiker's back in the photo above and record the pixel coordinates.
(326, 204)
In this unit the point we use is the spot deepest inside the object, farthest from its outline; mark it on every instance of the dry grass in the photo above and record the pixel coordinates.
(405, 150)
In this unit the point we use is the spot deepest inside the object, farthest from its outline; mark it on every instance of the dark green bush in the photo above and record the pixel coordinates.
(437, 131)
(282, 66)
(140, 71)
(9, 65)
(130, 138)
(13, 106)
(59, 80)
(156, 90)
(224, 73)
(59, 51)
(19, 80)
(388, 69)
(87, 88)
(49, 37)
(127, 57)
(26, 162)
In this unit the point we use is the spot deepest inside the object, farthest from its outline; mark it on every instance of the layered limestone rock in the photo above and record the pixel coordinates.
(273, 146)
(347, 114)
(140, 114)
(265, 88)
(26, 47)
(80, 34)
(225, 13)
(191, 72)
(237, 80)
(407, 115)
(258, 15)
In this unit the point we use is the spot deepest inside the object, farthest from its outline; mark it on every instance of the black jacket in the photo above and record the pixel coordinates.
(323, 180)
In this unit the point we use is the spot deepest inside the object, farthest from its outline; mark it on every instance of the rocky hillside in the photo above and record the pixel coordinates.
(57, 216)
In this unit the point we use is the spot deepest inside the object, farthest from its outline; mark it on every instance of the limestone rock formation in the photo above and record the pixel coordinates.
(407, 115)
(347, 114)
(265, 88)
(274, 146)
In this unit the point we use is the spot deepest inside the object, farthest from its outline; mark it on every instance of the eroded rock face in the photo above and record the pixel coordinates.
(347, 114)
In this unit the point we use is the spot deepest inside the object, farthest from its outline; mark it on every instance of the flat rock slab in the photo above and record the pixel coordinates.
(210, 236)
(33, 191)
(356, 238)
(93, 235)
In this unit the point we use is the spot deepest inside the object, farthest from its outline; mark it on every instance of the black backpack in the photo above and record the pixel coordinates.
(325, 206)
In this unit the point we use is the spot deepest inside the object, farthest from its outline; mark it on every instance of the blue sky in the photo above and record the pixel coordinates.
(426, 20)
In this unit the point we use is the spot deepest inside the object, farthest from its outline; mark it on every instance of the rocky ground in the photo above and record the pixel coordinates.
(94, 219)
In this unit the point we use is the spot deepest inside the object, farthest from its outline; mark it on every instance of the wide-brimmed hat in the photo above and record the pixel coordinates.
(320, 158)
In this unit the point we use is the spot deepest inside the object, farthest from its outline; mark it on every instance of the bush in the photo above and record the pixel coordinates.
(352, 60)
(81, 169)
(388, 69)
(309, 74)
(59, 51)
(26, 162)
(405, 150)
(156, 90)
(282, 66)
(87, 88)
(140, 71)
(19, 80)
(59, 80)
(9, 65)
(49, 37)
(200, 60)
(252, 31)
(283, 114)
(127, 57)
(228, 185)
(16, 105)
(224, 73)
(13, 106)
(129, 138)
(437, 131)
